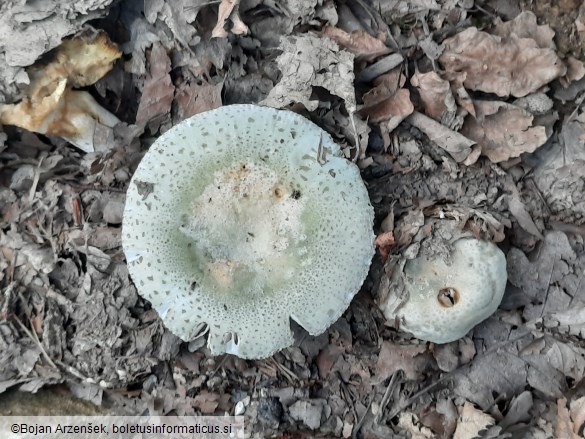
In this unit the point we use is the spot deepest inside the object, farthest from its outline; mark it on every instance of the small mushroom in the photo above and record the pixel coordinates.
(441, 302)
(242, 218)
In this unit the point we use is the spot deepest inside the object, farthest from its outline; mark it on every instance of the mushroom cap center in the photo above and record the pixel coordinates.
(247, 230)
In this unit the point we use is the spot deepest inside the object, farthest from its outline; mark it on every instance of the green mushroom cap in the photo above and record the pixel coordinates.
(242, 218)
(442, 302)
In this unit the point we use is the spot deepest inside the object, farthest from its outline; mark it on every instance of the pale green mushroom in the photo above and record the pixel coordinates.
(441, 302)
(242, 218)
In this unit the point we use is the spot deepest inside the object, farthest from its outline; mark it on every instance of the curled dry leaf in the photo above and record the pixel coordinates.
(385, 242)
(471, 422)
(485, 59)
(308, 61)
(503, 130)
(157, 95)
(52, 107)
(565, 426)
(524, 25)
(457, 145)
(387, 102)
(229, 9)
(435, 93)
(359, 42)
(395, 108)
(575, 71)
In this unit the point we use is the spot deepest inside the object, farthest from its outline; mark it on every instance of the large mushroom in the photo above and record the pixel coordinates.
(242, 218)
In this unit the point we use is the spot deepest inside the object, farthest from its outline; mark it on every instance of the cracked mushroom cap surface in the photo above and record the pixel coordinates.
(441, 303)
(242, 218)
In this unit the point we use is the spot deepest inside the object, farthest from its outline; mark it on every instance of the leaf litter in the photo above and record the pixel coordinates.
(424, 101)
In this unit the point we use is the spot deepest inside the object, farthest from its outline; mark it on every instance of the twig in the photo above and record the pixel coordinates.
(33, 336)
(360, 424)
(387, 393)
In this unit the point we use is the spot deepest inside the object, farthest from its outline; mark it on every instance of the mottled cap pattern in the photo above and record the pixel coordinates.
(242, 218)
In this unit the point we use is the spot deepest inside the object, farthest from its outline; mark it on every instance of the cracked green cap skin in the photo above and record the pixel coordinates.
(242, 218)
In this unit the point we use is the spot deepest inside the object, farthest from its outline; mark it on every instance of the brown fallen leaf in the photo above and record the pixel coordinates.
(70, 114)
(503, 130)
(486, 59)
(524, 25)
(471, 422)
(575, 71)
(413, 360)
(195, 98)
(157, 95)
(51, 106)
(393, 107)
(456, 144)
(385, 242)
(364, 46)
(564, 427)
(436, 96)
(206, 401)
(577, 411)
(327, 358)
(229, 9)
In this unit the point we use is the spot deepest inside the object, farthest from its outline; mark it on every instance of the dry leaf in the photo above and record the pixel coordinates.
(457, 145)
(409, 423)
(387, 101)
(561, 170)
(519, 211)
(435, 93)
(413, 360)
(229, 9)
(306, 62)
(485, 59)
(157, 95)
(395, 108)
(27, 31)
(577, 411)
(503, 130)
(195, 98)
(206, 401)
(564, 427)
(359, 42)
(575, 71)
(52, 107)
(524, 25)
(544, 292)
(471, 422)
(385, 242)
